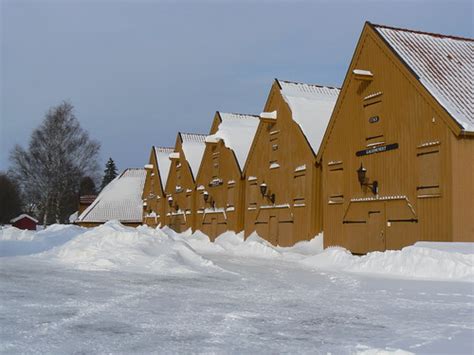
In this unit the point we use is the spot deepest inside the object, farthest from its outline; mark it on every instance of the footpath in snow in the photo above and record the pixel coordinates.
(143, 249)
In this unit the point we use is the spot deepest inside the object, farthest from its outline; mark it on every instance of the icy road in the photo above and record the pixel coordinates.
(253, 305)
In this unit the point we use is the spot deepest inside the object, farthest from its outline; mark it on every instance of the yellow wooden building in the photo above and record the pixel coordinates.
(180, 184)
(154, 196)
(398, 154)
(283, 192)
(220, 183)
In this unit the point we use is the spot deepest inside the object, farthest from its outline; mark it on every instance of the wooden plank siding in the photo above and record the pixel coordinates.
(279, 148)
(154, 196)
(219, 176)
(180, 190)
(421, 182)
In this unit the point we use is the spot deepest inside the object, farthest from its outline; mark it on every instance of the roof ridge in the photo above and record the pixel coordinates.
(164, 148)
(433, 34)
(193, 134)
(238, 114)
(309, 84)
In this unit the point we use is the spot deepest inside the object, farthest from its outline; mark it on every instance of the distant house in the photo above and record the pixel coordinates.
(283, 193)
(24, 221)
(154, 196)
(398, 154)
(180, 185)
(220, 183)
(120, 200)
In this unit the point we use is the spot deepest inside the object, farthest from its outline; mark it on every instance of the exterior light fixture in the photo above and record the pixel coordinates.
(361, 175)
(170, 201)
(263, 191)
(205, 195)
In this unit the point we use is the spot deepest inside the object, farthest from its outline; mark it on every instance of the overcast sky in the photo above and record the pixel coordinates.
(139, 71)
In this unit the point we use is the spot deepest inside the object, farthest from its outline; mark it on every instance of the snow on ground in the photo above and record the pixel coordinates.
(120, 289)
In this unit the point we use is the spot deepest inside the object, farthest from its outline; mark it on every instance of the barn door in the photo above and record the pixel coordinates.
(376, 229)
(213, 228)
(273, 230)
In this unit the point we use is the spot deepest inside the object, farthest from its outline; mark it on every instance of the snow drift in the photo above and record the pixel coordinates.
(114, 246)
(143, 249)
(418, 262)
(14, 241)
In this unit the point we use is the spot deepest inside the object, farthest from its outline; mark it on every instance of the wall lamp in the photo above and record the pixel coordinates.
(170, 203)
(206, 197)
(361, 175)
(263, 191)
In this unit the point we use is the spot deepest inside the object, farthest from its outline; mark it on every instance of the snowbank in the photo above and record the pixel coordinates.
(143, 249)
(14, 241)
(418, 262)
(113, 246)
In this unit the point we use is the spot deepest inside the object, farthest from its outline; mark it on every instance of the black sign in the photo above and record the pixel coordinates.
(374, 150)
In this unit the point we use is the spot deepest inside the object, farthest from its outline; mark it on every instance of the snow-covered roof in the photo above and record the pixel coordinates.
(237, 131)
(121, 199)
(311, 107)
(443, 64)
(193, 148)
(23, 215)
(163, 161)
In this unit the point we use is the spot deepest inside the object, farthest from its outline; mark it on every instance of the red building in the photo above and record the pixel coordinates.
(24, 221)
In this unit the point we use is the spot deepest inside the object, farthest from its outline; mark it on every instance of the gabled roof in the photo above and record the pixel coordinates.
(23, 215)
(311, 107)
(193, 147)
(237, 132)
(444, 65)
(121, 199)
(163, 162)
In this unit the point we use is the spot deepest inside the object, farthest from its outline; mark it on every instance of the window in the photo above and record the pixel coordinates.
(299, 189)
(230, 196)
(188, 202)
(274, 147)
(253, 194)
(335, 182)
(429, 168)
(215, 165)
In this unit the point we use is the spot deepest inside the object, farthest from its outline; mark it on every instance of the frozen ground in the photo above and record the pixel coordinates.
(141, 290)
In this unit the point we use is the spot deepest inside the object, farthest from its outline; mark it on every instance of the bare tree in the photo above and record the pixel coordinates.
(59, 155)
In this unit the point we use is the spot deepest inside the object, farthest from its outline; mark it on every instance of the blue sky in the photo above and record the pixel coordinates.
(139, 71)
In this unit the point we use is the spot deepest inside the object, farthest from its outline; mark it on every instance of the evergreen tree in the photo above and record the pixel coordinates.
(110, 173)
(10, 201)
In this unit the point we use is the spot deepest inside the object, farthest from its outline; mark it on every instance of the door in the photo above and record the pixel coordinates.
(376, 229)
(213, 228)
(273, 230)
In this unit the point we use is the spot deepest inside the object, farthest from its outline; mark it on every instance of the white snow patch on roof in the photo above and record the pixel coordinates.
(311, 107)
(120, 200)
(444, 65)
(193, 148)
(164, 163)
(237, 131)
(23, 215)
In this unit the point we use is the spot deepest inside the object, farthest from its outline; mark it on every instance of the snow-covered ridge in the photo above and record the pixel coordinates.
(164, 163)
(121, 199)
(311, 107)
(193, 147)
(237, 132)
(443, 64)
(113, 246)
